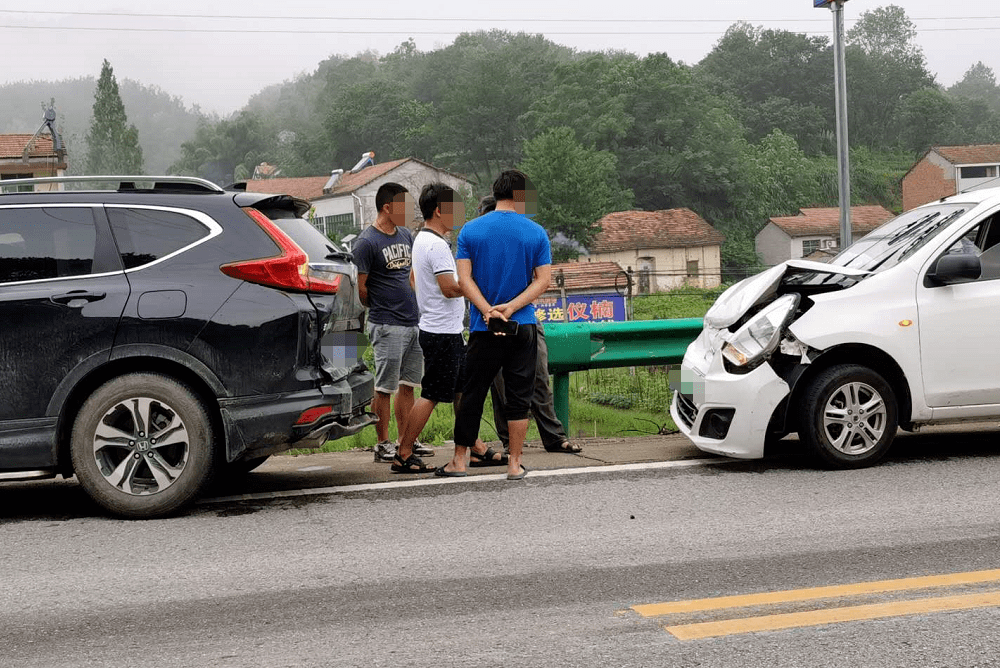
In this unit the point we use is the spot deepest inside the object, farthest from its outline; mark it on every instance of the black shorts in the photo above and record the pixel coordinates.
(443, 359)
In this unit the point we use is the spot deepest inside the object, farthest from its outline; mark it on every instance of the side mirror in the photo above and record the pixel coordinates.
(951, 269)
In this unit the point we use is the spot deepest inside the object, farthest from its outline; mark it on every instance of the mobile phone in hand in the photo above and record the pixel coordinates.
(498, 326)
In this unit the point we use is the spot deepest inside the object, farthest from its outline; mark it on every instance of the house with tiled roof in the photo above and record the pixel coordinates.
(948, 170)
(25, 156)
(815, 229)
(346, 199)
(664, 249)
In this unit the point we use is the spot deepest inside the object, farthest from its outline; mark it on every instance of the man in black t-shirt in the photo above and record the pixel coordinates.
(382, 255)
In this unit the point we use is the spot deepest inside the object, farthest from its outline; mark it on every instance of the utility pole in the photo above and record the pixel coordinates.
(840, 88)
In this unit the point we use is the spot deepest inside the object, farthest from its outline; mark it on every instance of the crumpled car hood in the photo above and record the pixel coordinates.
(740, 298)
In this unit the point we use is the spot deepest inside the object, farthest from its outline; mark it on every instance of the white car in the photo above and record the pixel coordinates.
(899, 330)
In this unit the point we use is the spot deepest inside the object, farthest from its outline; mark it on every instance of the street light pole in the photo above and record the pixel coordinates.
(843, 155)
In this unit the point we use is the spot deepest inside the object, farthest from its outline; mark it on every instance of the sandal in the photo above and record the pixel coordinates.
(411, 464)
(488, 458)
(566, 447)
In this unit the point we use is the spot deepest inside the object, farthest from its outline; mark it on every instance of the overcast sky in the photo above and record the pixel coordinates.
(218, 54)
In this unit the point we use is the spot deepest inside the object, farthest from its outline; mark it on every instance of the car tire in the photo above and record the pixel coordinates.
(850, 416)
(119, 461)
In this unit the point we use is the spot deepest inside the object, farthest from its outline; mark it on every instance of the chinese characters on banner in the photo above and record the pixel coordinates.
(581, 308)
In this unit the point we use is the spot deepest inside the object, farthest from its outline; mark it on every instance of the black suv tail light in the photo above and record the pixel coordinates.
(288, 270)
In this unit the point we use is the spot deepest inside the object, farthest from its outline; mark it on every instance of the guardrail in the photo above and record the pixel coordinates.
(601, 345)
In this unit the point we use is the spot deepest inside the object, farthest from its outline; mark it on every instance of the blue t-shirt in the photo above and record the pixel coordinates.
(504, 248)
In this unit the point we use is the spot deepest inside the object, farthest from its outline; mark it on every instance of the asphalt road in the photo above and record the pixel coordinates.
(550, 571)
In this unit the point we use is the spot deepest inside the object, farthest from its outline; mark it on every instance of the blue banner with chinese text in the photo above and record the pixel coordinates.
(581, 308)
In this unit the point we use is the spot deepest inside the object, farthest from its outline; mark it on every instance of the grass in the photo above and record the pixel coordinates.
(604, 403)
(680, 303)
(586, 419)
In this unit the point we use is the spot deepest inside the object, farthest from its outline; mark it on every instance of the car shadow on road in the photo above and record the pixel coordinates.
(939, 444)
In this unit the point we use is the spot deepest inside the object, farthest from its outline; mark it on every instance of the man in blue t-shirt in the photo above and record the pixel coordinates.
(504, 263)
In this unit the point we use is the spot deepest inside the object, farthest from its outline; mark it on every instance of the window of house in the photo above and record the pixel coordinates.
(979, 172)
(809, 246)
(17, 189)
(335, 227)
(692, 268)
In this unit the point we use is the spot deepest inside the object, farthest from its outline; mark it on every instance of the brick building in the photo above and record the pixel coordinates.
(948, 170)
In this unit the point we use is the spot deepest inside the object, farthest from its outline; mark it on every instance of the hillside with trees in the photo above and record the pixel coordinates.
(744, 134)
(161, 120)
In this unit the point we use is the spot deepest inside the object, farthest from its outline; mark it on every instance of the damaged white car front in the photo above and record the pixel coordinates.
(737, 372)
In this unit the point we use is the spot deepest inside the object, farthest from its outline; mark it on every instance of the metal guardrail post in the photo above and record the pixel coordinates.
(560, 395)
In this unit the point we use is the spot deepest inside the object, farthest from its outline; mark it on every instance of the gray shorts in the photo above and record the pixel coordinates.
(398, 358)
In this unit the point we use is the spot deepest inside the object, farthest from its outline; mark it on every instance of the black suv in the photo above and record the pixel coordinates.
(160, 332)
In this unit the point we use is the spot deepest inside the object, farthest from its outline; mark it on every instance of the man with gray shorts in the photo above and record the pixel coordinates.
(382, 253)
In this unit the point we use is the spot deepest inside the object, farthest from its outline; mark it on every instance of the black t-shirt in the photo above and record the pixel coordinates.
(386, 258)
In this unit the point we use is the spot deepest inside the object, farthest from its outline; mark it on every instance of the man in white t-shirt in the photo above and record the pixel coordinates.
(442, 312)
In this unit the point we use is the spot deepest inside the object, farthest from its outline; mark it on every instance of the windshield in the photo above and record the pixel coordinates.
(895, 241)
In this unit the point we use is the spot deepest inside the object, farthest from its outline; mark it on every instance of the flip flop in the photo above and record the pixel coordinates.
(411, 464)
(487, 458)
(439, 471)
(518, 476)
(566, 447)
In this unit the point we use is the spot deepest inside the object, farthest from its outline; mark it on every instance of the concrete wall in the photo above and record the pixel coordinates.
(670, 265)
(774, 245)
(411, 175)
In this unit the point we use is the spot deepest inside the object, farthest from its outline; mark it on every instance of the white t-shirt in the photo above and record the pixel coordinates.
(431, 257)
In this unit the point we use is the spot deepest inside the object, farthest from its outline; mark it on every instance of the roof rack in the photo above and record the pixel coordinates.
(125, 183)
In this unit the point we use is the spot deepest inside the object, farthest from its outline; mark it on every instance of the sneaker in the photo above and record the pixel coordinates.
(421, 450)
(385, 451)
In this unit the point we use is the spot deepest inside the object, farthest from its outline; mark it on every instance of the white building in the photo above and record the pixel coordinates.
(349, 196)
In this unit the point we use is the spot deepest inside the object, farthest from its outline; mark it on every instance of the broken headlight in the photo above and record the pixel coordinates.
(760, 335)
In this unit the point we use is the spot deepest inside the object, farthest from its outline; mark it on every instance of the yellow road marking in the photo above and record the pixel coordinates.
(848, 614)
(792, 595)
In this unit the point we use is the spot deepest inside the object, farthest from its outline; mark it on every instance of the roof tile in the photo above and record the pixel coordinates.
(585, 275)
(311, 187)
(669, 228)
(969, 155)
(12, 146)
(826, 221)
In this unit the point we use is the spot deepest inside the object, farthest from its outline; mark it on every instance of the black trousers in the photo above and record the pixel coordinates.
(542, 403)
(486, 355)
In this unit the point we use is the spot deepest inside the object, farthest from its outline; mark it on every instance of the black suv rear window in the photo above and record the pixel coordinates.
(146, 235)
(46, 242)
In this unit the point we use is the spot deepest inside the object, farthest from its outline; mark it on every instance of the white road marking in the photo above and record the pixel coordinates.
(434, 480)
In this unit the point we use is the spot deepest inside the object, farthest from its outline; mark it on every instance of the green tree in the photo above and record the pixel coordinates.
(112, 143)
(884, 65)
(377, 115)
(927, 118)
(576, 186)
(980, 85)
(774, 79)
(589, 94)
(218, 150)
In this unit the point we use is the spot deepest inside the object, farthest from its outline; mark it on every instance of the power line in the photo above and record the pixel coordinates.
(278, 31)
(466, 19)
